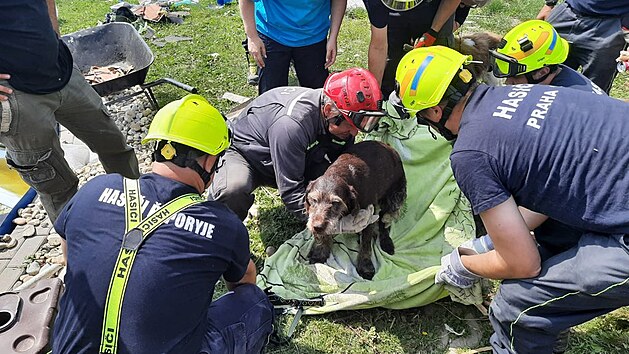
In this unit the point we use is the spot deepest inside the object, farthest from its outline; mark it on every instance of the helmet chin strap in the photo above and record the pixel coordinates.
(445, 115)
(454, 93)
(531, 80)
(205, 175)
(185, 157)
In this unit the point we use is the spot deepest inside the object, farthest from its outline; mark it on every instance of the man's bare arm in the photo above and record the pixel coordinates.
(515, 255)
(52, 13)
(377, 54)
(248, 278)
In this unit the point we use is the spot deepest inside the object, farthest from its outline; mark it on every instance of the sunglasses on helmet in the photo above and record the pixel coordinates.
(365, 121)
(514, 67)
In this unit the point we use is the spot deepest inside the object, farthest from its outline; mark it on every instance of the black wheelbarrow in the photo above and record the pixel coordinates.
(119, 44)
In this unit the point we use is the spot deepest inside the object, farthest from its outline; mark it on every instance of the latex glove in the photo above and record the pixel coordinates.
(479, 245)
(427, 39)
(453, 271)
(394, 107)
(356, 223)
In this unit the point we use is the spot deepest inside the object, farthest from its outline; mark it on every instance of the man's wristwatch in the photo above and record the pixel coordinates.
(551, 2)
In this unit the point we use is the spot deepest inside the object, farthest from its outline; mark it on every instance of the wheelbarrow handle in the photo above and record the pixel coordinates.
(173, 82)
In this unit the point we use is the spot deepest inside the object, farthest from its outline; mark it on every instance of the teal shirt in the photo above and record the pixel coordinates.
(293, 23)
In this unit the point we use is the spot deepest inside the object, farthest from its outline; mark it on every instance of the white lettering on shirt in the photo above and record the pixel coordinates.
(510, 105)
(181, 221)
(542, 107)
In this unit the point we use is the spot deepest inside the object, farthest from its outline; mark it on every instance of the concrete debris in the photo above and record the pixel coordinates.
(98, 74)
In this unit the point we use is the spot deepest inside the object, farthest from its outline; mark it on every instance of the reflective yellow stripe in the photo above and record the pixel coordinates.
(126, 257)
(133, 204)
(626, 281)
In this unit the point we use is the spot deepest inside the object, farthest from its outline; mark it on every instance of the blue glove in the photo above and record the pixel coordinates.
(480, 245)
(453, 271)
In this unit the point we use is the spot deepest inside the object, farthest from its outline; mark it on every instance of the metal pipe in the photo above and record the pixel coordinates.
(46, 272)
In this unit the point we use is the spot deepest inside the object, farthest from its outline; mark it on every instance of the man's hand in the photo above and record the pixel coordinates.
(427, 39)
(330, 52)
(5, 91)
(453, 271)
(479, 245)
(624, 56)
(256, 48)
(544, 12)
(357, 223)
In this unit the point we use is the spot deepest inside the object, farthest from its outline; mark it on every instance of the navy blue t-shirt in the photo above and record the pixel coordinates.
(615, 8)
(558, 151)
(172, 280)
(32, 53)
(569, 77)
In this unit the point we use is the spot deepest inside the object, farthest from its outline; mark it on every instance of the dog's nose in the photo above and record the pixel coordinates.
(318, 228)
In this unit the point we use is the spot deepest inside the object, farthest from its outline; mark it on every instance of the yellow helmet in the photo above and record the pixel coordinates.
(401, 5)
(424, 75)
(191, 121)
(529, 46)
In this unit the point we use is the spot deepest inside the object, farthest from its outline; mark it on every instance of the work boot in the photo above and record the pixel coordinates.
(562, 342)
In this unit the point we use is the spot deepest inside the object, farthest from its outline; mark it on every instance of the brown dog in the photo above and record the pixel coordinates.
(478, 46)
(369, 172)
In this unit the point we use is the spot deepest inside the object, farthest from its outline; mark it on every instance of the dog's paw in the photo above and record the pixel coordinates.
(365, 269)
(317, 255)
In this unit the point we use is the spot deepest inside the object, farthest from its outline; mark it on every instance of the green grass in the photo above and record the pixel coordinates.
(214, 63)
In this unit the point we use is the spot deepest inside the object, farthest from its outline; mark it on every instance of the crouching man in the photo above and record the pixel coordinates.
(144, 255)
(289, 136)
(558, 152)
(532, 53)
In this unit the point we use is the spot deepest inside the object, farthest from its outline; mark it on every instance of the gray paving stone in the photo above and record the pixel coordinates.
(3, 264)
(8, 254)
(8, 277)
(28, 248)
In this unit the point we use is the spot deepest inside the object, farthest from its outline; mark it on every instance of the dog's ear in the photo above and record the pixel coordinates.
(308, 189)
(353, 205)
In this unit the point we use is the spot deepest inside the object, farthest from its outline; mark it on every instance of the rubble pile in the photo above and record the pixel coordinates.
(98, 74)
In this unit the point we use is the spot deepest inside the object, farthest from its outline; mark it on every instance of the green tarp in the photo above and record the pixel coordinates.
(436, 216)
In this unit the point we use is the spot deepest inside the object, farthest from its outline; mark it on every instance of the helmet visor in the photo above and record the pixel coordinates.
(365, 121)
(506, 66)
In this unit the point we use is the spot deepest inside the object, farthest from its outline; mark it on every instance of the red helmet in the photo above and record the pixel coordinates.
(357, 95)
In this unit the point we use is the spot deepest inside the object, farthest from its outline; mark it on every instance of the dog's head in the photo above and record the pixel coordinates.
(327, 200)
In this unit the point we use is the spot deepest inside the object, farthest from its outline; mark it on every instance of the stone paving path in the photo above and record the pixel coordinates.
(37, 241)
